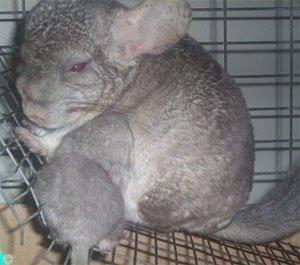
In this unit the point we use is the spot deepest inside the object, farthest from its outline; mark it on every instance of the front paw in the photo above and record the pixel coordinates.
(29, 140)
(34, 129)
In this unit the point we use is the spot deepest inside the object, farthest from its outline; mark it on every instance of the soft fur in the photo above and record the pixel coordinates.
(192, 157)
(81, 204)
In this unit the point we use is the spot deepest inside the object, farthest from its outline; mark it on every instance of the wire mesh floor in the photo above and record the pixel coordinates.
(147, 247)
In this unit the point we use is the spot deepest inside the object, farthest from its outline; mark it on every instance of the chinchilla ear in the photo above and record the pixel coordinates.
(150, 27)
(37, 15)
(44, 13)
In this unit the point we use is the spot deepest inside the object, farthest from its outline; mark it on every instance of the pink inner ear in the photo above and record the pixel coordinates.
(135, 50)
(150, 27)
(149, 40)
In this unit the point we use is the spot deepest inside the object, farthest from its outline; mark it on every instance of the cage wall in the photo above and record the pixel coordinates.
(258, 43)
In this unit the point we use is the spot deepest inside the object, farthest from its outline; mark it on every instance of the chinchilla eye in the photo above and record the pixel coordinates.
(78, 67)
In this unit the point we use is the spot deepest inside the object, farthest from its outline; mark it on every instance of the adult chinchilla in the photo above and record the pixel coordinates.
(193, 153)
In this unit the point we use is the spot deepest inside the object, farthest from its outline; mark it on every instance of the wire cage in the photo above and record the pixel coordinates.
(267, 68)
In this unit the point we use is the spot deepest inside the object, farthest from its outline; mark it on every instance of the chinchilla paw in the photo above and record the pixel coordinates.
(107, 245)
(28, 139)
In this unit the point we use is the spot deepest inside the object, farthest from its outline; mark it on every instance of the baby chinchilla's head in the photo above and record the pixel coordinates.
(78, 54)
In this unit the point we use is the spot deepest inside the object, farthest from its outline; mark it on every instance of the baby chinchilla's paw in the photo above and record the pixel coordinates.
(111, 241)
(107, 245)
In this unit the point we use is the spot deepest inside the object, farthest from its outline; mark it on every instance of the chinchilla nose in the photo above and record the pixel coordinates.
(38, 117)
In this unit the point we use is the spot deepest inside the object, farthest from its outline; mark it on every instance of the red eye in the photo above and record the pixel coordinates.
(78, 67)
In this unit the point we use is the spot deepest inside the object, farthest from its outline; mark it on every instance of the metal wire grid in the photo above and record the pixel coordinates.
(141, 245)
(22, 164)
(149, 247)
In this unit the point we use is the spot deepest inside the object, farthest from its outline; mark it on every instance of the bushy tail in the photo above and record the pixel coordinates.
(79, 255)
(276, 216)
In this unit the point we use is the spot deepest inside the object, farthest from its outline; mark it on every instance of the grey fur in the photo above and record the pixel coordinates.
(192, 158)
(277, 214)
(81, 204)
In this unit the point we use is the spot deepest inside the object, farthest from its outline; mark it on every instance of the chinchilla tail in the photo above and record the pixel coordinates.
(275, 217)
(79, 255)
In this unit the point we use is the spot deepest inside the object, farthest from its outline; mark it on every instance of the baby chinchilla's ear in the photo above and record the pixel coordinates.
(149, 28)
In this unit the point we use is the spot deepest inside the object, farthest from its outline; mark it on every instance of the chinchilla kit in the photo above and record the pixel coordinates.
(138, 123)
